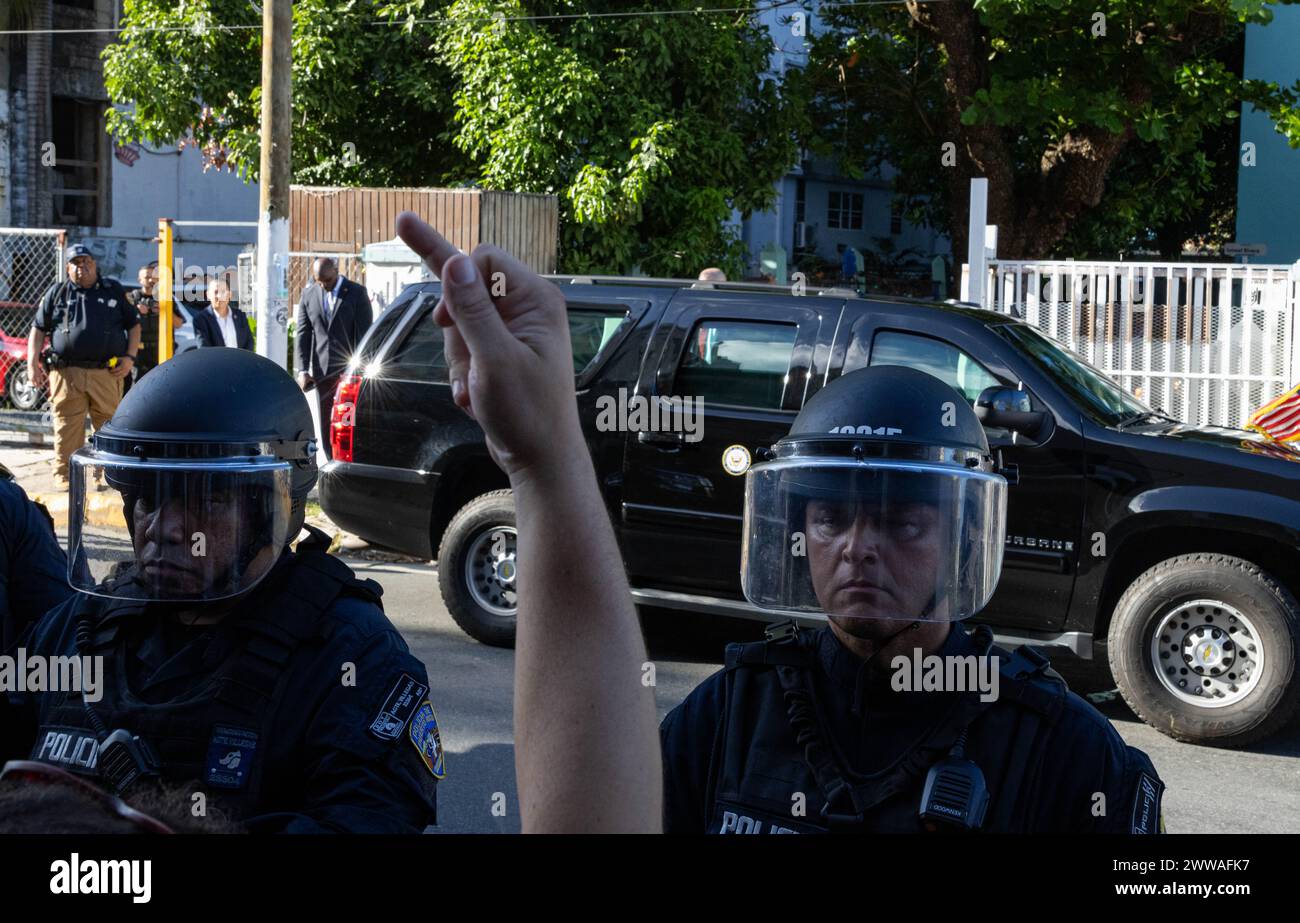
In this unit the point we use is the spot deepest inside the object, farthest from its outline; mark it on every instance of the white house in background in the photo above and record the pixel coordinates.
(107, 196)
(817, 208)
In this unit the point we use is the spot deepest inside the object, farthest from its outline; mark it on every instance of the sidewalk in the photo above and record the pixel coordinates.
(33, 467)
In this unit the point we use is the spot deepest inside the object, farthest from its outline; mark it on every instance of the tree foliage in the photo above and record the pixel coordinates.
(1100, 125)
(650, 129)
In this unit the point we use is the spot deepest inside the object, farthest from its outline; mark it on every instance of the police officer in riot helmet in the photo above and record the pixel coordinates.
(268, 679)
(884, 511)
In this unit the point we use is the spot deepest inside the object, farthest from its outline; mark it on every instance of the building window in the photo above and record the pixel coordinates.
(845, 211)
(79, 186)
(896, 218)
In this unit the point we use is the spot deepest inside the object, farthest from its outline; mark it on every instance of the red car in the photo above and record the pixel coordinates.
(14, 383)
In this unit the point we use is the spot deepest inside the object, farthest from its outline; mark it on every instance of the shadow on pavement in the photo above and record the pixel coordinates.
(478, 790)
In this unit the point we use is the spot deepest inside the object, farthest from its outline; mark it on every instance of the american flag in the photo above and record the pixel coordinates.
(1280, 418)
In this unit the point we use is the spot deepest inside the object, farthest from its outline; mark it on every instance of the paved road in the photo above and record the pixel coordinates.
(1209, 791)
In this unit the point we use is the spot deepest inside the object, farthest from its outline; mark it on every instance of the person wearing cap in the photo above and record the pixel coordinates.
(882, 512)
(93, 335)
(264, 679)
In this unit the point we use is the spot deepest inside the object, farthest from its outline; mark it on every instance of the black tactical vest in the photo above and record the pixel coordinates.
(209, 735)
(779, 772)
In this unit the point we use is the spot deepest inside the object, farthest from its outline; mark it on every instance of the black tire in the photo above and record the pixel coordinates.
(482, 516)
(1242, 586)
(21, 394)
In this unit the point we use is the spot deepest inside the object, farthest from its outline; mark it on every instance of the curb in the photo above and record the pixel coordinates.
(103, 508)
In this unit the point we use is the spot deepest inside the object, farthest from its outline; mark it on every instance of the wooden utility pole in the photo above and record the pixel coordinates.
(273, 212)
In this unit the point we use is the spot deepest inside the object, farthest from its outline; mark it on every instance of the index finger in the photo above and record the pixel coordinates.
(428, 244)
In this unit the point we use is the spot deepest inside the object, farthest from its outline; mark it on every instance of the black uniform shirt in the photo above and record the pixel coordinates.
(323, 769)
(33, 569)
(872, 725)
(149, 324)
(880, 722)
(87, 324)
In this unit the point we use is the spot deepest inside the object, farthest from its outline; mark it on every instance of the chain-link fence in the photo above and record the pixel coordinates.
(30, 262)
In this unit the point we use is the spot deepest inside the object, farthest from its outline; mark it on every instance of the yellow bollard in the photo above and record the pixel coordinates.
(165, 295)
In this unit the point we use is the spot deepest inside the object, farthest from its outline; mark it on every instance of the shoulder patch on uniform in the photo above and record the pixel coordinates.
(230, 754)
(1146, 805)
(401, 701)
(427, 740)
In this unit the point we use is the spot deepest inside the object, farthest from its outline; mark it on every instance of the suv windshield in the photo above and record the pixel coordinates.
(1100, 397)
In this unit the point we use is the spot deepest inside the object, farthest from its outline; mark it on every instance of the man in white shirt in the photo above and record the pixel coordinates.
(222, 324)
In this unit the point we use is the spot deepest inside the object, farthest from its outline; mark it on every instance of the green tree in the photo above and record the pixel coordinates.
(368, 97)
(650, 129)
(1102, 126)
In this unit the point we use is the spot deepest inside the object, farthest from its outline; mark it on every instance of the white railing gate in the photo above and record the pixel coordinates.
(1207, 343)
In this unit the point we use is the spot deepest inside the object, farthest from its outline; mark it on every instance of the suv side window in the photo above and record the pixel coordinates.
(419, 356)
(590, 329)
(383, 327)
(949, 364)
(740, 363)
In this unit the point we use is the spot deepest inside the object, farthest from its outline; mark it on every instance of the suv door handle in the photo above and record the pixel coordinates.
(664, 442)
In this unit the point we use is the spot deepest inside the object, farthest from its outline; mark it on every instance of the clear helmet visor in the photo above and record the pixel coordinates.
(879, 539)
(174, 530)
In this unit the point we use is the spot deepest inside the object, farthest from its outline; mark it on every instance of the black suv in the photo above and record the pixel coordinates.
(1169, 551)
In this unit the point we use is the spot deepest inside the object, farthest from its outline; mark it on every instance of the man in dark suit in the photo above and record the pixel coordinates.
(221, 323)
(332, 317)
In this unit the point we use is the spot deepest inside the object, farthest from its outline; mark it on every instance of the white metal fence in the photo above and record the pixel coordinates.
(1206, 343)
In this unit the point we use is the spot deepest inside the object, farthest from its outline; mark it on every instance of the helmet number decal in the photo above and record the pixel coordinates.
(735, 460)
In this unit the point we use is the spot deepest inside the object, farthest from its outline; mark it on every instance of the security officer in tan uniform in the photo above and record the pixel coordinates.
(95, 334)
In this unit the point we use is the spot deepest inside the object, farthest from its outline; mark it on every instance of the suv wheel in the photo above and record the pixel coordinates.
(1204, 648)
(476, 568)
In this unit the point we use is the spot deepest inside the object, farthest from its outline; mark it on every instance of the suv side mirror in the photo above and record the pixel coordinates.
(1009, 409)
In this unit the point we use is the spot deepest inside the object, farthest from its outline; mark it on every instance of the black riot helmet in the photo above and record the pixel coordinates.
(883, 501)
(213, 455)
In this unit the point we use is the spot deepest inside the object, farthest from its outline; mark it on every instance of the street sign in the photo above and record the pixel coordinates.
(1235, 249)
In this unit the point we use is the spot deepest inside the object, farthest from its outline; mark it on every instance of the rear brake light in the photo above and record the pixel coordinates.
(343, 418)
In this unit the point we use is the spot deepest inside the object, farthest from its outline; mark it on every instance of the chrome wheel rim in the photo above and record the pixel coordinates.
(491, 572)
(1207, 653)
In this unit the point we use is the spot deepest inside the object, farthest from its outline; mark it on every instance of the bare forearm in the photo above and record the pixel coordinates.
(577, 621)
(133, 341)
(35, 344)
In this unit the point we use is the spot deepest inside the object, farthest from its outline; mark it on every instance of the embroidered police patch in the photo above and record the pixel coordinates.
(1146, 805)
(401, 701)
(425, 736)
(230, 757)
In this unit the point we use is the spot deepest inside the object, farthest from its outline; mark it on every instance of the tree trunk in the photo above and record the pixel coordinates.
(1034, 214)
